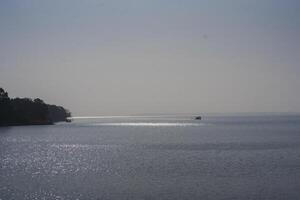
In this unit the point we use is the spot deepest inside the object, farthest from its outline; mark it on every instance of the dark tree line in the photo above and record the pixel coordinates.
(25, 111)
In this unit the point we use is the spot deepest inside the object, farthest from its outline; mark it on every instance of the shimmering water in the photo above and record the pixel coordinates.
(254, 157)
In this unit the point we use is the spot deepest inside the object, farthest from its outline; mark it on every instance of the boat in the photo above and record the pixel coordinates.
(198, 118)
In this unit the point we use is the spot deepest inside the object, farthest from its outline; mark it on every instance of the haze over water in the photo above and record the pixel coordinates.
(174, 157)
(131, 57)
(116, 57)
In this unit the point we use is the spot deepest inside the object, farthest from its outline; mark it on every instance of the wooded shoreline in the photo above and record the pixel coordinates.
(26, 111)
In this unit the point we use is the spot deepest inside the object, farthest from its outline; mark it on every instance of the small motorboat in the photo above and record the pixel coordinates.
(198, 118)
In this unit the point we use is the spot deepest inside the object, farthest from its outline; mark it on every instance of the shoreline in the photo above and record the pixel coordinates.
(26, 124)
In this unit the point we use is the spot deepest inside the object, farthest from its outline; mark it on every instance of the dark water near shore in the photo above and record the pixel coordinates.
(233, 157)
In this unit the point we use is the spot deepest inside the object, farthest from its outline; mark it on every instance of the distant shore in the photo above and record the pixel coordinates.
(26, 111)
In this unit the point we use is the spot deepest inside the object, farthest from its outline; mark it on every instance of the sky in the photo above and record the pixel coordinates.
(127, 57)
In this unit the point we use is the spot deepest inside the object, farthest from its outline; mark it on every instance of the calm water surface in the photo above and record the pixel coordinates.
(236, 157)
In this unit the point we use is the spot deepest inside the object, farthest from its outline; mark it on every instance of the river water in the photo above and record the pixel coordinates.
(159, 157)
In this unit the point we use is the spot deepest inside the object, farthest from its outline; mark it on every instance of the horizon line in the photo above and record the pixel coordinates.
(183, 115)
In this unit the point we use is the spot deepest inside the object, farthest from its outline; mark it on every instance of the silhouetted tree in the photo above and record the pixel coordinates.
(6, 111)
(3, 94)
(58, 113)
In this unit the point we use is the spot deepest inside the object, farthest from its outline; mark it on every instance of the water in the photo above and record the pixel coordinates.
(233, 157)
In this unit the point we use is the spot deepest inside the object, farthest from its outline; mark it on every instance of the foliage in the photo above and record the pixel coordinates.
(25, 111)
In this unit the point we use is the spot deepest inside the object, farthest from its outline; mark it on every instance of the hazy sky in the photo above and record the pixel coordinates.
(119, 57)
